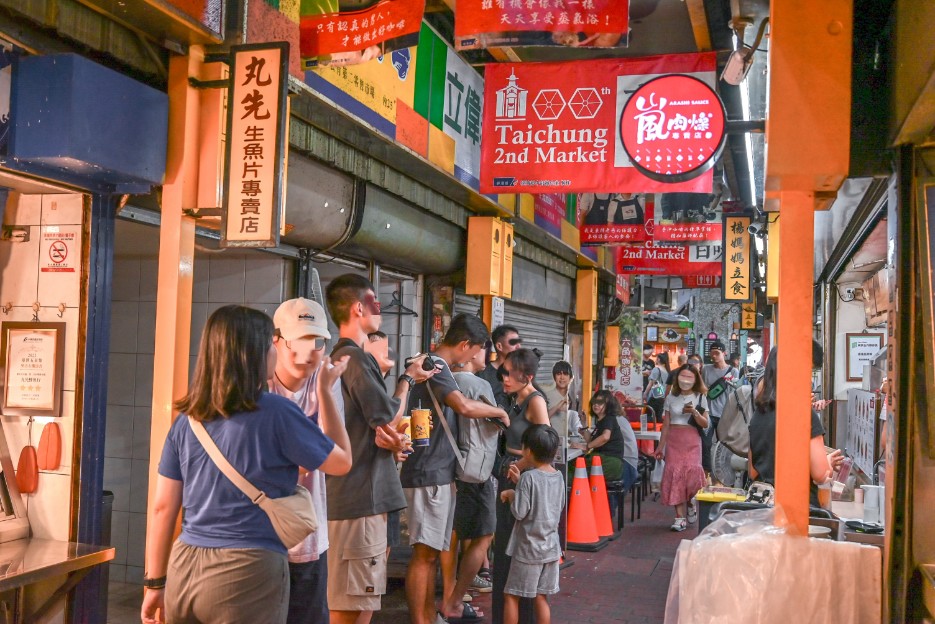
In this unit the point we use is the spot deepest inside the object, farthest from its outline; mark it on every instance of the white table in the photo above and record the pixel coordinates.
(648, 435)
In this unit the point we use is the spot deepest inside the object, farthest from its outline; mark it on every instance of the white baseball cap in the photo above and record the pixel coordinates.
(301, 317)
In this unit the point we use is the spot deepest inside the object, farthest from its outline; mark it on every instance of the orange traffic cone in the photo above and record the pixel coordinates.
(582, 532)
(599, 501)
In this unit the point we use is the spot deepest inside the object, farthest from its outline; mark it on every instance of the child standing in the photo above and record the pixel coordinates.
(536, 504)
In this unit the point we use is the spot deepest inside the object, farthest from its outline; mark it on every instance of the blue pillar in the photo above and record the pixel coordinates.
(91, 594)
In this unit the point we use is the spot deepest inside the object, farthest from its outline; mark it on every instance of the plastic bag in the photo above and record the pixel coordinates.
(743, 568)
(655, 478)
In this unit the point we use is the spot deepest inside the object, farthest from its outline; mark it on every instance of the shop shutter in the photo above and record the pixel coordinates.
(466, 303)
(541, 329)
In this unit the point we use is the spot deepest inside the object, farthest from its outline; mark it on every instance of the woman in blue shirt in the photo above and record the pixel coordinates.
(228, 564)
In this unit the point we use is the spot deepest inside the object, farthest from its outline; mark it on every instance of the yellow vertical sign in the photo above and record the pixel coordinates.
(748, 315)
(256, 143)
(737, 275)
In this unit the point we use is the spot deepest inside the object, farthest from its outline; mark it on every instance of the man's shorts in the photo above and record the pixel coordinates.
(357, 563)
(476, 509)
(431, 515)
(527, 580)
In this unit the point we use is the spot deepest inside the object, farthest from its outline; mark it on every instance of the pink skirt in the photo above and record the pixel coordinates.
(683, 475)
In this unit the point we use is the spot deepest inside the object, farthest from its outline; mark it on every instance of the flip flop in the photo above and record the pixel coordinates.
(468, 616)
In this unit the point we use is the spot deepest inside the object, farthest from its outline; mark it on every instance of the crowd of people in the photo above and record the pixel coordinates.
(269, 411)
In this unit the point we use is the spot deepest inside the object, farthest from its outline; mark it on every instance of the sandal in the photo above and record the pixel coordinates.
(679, 524)
(468, 616)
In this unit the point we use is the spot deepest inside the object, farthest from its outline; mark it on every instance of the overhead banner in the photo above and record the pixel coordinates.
(515, 23)
(677, 260)
(256, 144)
(737, 286)
(687, 218)
(550, 210)
(614, 218)
(560, 126)
(329, 35)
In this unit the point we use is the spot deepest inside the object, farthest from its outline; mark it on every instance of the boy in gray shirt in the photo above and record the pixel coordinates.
(534, 546)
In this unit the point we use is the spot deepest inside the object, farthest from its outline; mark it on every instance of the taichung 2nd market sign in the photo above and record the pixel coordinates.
(601, 126)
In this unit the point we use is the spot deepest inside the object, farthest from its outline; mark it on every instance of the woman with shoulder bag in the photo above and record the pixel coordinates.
(528, 407)
(683, 419)
(655, 393)
(229, 563)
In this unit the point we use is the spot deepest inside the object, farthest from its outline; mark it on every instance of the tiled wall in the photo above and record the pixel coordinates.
(257, 279)
(23, 283)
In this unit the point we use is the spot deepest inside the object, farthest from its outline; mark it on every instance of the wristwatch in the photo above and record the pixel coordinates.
(408, 379)
(154, 583)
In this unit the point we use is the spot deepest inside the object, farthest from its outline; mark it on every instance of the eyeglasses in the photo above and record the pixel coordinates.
(371, 304)
(514, 341)
(303, 347)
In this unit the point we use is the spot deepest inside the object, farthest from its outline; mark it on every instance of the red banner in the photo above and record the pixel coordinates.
(331, 36)
(614, 218)
(550, 210)
(622, 288)
(554, 126)
(652, 259)
(591, 23)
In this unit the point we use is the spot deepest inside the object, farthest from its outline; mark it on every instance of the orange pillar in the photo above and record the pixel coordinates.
(793, 409)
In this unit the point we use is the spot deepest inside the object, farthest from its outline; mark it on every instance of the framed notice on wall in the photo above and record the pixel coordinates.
(32, 362)
(860, 351)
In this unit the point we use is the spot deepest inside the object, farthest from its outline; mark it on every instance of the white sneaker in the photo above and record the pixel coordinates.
(679, 524)
(692, 515)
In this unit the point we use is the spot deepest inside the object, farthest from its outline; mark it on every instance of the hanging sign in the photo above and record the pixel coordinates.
(550, 210)
(673, 128)
(748, 315)
(515, 23)
(623, 289)
(328, 35)
(256, 144)
(557, 126)
(701, 281)
(614, 218)
(652, 259)
(737, 286)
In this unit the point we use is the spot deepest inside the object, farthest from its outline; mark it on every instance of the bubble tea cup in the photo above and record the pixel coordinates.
(421, 427)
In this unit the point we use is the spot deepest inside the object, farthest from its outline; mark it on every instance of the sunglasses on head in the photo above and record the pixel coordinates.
(598, 402)
(514, 341)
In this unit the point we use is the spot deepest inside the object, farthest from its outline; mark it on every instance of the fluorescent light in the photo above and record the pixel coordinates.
(748, 141)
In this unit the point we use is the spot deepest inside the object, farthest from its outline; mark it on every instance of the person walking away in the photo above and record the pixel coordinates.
(561, 400)
(475, 506)
(654, 393)
(715, 376)
(683, 419)
(428, 475)
(505, 339)
(534, 546)
(528, 407)
(228, 564)
(359, 501)
(301, 329)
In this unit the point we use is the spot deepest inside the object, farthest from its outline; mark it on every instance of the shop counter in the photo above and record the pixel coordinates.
(58, 566)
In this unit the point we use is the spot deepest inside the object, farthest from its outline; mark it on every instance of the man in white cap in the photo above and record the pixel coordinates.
(303, 374)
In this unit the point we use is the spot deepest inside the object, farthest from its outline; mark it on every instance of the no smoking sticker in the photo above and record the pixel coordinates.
(59, 248)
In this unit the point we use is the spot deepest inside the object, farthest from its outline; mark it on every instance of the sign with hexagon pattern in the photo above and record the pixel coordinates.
(555, 127)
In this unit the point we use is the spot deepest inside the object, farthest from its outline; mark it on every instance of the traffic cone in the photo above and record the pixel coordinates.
(599, 500)
(582, 532)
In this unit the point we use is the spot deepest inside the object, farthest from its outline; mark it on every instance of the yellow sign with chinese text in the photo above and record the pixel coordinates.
(748, 315)
(737, 276)
(256, 135)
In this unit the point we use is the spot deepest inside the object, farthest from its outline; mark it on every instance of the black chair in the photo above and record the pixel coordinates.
(617, 495)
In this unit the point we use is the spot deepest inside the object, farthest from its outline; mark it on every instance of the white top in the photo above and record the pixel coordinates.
(674, 405)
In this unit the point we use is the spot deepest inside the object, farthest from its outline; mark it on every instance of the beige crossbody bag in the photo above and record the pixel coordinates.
(293, 517)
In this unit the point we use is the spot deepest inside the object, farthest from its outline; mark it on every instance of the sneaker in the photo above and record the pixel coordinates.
(482, 585)
(679, 524)
(692, 515)
(484, 573)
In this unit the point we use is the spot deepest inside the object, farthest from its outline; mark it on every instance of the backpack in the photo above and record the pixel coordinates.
(733, 428)
(476, 447)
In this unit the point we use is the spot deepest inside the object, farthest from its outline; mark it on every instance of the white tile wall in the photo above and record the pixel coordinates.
(22, 284)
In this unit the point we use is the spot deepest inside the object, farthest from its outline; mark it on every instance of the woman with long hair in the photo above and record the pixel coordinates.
(608, 440)
(655, 392)
(683, 418)
(228, 564)
(527, 407)
(762, 454)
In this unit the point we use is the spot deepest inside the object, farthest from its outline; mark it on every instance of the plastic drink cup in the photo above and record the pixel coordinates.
(421, 427)
(643, 421)
(824, 496)
(407, 429)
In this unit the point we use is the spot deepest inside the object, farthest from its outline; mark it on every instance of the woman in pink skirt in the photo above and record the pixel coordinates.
(683, 418)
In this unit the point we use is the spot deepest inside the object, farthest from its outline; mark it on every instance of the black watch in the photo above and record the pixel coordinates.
(154, 583)
(408, 379)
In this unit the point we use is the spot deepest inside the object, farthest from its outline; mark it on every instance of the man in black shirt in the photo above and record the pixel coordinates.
(505, 339)
(429, 473)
